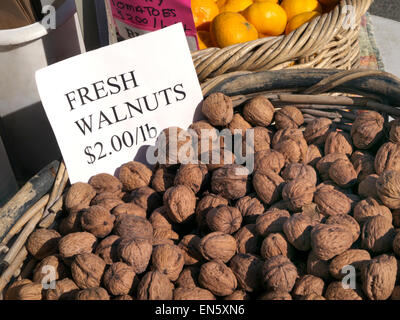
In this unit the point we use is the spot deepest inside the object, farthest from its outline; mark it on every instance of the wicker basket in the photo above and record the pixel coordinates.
(39, 204)
(328, 41)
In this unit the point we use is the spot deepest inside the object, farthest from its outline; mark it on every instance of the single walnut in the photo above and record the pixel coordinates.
(370, 208)
(43, 243)
(217, 157)
(104, 182)
(193, 294)
(338, 142)
(238, 125)
(292, 150)
(12, 291)
(394, 131)
(169, 260)
(336, 291)
(188, 277)
(342, 173)
(164, 235)
(275, 295)
(250, 208)
(248, 240)
(128, 208)
(388, 189)
(159, 218)
(72, 223)
(87, 270)
(328, 241)
(367, 129)
(131, 226)
(308, 284)
(218, 109)
(268, 160)
(247, 269)
(180, 202)
(268, 186)
(296, 171)
(98, 221)
(136, 253)
(379, 277)
(155, 286)
(107, 249)
(50, 263)
(134, 175)
(378, 234)
(298, 193)
(190, 249)
(66, 289)
(205, 204)
(76, 243)
(288, 117)
(255, 140)
(396, 244)
(202, 131)
(325, 163)
(271, 221)
(120, 279)
(107, 200)
(331, 201)
(367, 187)
(352, 257)
(317, 130)
(216, 277)
(97, 293)
(24, 290)
(147, 198)
(79, 196)
(192, 176)
(298, 231)
(318, 267)
(275, 244)
(313, 155)
(218, 245)
(230, 181)
(238, 295)
(346, 221)
(163, 178)
(279, 273)
(259, 111)
(224, 218)
(387, 158)
(363, 163)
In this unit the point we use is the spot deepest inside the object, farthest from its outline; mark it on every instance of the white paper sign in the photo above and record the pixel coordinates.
(105, 105)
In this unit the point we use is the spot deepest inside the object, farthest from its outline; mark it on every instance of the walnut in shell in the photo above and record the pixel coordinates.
(387, 158)
(313, 155)
(298, 231)
(224, 218)
(155, 286)
(188, 277)
(338, 142)
(76, 243)
(250, 208)
(367, 187)
(136, 253)
(308, 284)
(147, 198)
(248, 239)
(317, 130)
(104, 182)
(79, 196)
(378, 234)
(268, 186)
(128, 208)
(96, 293)
(120, 279)
(159, 218)
(367, 129)
(168, 259)
(43, 243)
(131, 226)
(288, 117)
(134, 175)
(298, 193)
(324, 164)
(107, 249)
(271, 221)
(279, 273)
(388, 189)
(293, 150)
(276, 295)
(247, 269)
(71, 223)
(275, 244)
(180, 202)
(331, 201)
(218, 109)
(394, 131)
(192, 176)
(342, 173)
(259, 111)
(50, 264)
(66, 289)
(25, 291)
(195, 293)
(230, 181)
(336, 291)
(268, 160)
(318, 267)
(352, 257)
(98, 221)
(107, 200)
(190, 249)
(163, 178)
(370, 208)
(238, 295)
(87, 270)
(216, 277)
(296, 171)
(363, 163)
(205, 204)
(12, 290)
(346, 221)
(255, 140)
(238, 125)
(218, 245)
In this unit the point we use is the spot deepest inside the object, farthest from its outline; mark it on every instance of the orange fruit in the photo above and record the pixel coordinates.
(204, 38)
(230, 28)
(269, 18)
(299, 20)
(236, 5)
(203, 13)
(295, 7)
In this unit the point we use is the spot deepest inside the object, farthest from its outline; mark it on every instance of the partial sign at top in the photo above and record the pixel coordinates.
(106, 105)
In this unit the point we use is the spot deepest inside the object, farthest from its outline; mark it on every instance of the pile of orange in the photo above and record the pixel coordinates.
(221, 23)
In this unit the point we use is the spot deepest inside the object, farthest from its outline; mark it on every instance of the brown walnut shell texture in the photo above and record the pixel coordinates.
(293, 150)
(331, 201)
(224, 218)
(238, 295)
(268, 186)
(193, 294)
(338, 142)
(298, 231)
(128, 208)
(259, 111)
(159, 218)
(248, 239)
(163, 179)
(65, 289)
(268, 160)
(363, 163)
(328, 241)
(96, 293)
(147, 198)
(336, 291)
(42, 243)
(216, 277)
(313, 155)
(190, 249)
(192, 176)
(396, 244)
(155, 286)
(325, 163)
(218, 109)
(394, 132)
(42, 268)
(367, 129)
(247, 269)
(279, 273)
(296, 171)
(288, 117)
(230, 181)
(12, 290)
(346, 221)
(276, 295)
(76, 243)
(79, 196)
(275, 244)
(378, 234)
(107, 249)
(131, 226)
(87, 270)
(71, 223)
(180, 202)
(352, 257)
(134, 175)
(318, 267)
(136, 253)
(27, 291)
(104, 182)
(188, 277)
(342, 173)
(308, 284)
(255, 140)
(205, 204)
(317, 130)
(271, 221)
(387, 158)
(98, 221)
(169, 260)
(107, 200)
(379, 277)
(119, 279)
(368, 208)
(250, 208)
(238, 125)
(218, 245)
(298, 193)
(367, 187)
(388, 189)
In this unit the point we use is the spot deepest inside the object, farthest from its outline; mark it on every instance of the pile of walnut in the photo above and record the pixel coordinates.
(319, 200)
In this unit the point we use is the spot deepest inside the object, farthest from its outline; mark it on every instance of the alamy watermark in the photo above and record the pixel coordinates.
(50, 18)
